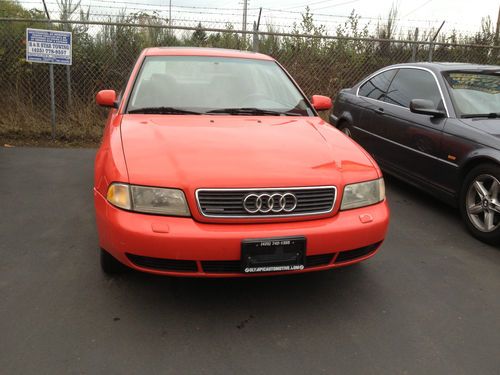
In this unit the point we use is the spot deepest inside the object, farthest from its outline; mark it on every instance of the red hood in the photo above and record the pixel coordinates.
(191, 152)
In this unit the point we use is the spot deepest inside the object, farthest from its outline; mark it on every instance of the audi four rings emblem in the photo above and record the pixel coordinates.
(265, 203)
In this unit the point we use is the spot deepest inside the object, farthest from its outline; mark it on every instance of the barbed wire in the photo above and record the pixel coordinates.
(190, 14)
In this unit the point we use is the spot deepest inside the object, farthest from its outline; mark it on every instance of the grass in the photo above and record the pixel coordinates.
(22, 124)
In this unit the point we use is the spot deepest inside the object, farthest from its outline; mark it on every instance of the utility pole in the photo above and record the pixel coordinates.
(170, 17)
(244, 24)
(495, 41)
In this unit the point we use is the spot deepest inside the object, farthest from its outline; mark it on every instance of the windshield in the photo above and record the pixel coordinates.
(474, 93)
(201, 84)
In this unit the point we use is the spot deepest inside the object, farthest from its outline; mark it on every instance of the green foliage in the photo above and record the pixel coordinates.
(199, 37)
(13, 9)
(13, 44)
(313, 43)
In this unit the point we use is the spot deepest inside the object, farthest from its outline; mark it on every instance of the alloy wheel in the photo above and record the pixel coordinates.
(483, 204)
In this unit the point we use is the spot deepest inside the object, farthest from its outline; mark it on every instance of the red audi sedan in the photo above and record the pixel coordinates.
(214, 163)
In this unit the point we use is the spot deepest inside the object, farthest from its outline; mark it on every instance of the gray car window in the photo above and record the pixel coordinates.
(411, 84)
(376, 87)
(474, 93)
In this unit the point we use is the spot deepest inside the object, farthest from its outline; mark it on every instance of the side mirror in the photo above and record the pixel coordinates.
(321, 103)
(425, 107)
(106, 98)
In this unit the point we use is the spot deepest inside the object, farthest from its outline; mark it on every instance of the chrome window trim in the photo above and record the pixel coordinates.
(403, 67)
(264, 190)
(408, 148)
(380, 101)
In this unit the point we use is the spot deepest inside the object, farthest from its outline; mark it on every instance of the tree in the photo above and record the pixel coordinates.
(199, 37)
(387, 31)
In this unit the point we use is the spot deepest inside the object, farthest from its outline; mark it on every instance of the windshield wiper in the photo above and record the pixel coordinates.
(164, 111)
(484, 115)
(252, 111)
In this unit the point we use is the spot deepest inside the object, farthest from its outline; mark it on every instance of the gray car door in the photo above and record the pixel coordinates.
(411, 142)
(366, 128)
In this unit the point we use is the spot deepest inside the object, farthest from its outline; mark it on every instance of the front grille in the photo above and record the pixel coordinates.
(221, 266)
(228, 203)
(234, 266)
(345, 256)
(163, 264)
(318, 260)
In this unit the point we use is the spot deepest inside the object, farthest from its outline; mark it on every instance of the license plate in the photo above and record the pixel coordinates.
(273, 254)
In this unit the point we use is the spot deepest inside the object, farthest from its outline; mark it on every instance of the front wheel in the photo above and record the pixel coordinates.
(480, 202)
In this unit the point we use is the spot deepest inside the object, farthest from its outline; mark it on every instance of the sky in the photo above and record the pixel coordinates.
(462, 15)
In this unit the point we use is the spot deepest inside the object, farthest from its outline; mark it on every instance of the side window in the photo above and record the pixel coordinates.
(413, 84)
(376, 87)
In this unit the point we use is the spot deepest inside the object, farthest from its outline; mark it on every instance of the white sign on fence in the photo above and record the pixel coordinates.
(48, 46)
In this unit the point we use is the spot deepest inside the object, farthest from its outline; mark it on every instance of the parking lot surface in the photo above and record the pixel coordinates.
(428, 303)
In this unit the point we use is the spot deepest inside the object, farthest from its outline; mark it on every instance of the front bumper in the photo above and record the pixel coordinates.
(183, 247)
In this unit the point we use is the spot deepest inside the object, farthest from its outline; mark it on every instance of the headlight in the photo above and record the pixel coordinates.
(363, 194)
(148, 199)
(159, 201)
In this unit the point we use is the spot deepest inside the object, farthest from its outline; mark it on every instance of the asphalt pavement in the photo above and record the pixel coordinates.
(428, 303)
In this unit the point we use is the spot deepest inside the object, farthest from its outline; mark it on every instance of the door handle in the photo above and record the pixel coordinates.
(380, 111)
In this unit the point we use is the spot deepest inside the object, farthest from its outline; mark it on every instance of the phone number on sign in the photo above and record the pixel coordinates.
(49, 51)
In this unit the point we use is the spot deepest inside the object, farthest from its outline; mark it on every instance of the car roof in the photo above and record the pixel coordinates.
(198, 51)
(450, 66)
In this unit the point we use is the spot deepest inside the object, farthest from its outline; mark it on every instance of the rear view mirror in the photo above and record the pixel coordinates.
(321, 103)
(106, 98)
(425, 107)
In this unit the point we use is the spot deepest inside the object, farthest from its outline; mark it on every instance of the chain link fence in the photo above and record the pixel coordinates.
(104, 53)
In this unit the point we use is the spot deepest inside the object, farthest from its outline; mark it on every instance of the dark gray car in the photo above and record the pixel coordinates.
(437, 126)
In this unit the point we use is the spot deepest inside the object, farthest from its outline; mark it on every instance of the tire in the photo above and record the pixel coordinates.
(479, 202)
(110, 265)
(345, 128)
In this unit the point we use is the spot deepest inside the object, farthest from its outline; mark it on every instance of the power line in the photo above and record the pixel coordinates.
(337, 5)
(359, 16)
(309, 4)
(417, 8)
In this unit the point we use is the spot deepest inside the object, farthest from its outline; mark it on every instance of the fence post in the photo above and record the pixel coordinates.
(431, 46)
(414, 49)
(68, 76)
(52, 101)
(255, 44)
(256, 32)
(51, 84)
